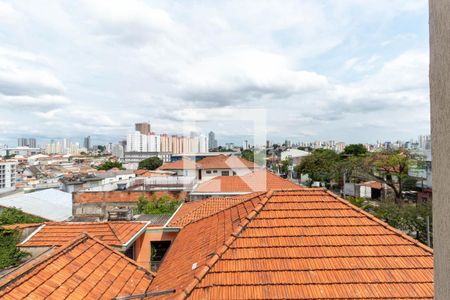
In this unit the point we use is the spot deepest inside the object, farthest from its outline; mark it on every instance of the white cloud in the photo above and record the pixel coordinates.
(315, 66)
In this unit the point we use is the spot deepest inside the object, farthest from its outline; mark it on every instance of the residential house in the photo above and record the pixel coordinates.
(119, 235)
(85, 267)
(226, 186)
(302, 244)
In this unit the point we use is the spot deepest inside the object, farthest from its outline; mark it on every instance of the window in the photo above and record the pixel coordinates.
(158, 250)
(215, 171)
(208, 172)
(225, 173)
(234, 173)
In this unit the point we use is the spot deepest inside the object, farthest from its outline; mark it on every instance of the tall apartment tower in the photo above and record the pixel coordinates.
(212, 142)
(32, 142)
(143, 128)
(22, 142)
(87, 142)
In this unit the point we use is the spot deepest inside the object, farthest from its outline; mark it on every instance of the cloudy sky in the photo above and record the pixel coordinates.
(349, 70)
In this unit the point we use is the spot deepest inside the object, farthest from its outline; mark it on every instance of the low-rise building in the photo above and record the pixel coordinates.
(84, 268)
(228, 186)
(8, 172)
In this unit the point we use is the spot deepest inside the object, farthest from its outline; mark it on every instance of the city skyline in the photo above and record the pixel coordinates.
(323, 70)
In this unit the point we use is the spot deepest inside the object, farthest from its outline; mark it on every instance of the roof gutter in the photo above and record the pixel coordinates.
(32, 234)
(135, 236)
(173, 215)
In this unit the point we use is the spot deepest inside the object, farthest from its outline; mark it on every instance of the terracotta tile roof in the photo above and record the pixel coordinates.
(211, 162)
(193, 211)
(225, 162)
(259, 180)
(373, 184)
(182, 164)
(305, 244)
(59, 233)
(197, 243)
(85, 268)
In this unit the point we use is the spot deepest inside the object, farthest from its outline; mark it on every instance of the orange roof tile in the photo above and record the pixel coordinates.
(373, 184)
(182, 164)
(225, 162)
(59, 233)
(193, 211)
(303, 244)
(85, 268)
(211, 162)
(257, 181)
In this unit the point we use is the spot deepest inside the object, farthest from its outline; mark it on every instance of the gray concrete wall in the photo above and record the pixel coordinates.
(440, 131)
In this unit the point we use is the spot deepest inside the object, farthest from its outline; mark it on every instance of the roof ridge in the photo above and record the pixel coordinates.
(41, 260)
(114, 232)
(226, 245)
(253, 197)
(382, 223)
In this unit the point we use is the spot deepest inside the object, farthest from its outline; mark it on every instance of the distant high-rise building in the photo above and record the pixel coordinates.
(425, 141)
(87, 143)
(32, 142)
(22, 142)
(212, 142)
(143, 128)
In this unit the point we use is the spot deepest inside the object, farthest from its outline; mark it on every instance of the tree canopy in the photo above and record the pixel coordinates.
(248, 155)
(110, 164)
(355, 149)
(151, 163)
(157, 206)
(391, 167)
(321, 165)
(10, 255)
(12, 215)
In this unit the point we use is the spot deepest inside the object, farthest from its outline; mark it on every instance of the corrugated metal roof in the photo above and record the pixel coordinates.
(50, 204)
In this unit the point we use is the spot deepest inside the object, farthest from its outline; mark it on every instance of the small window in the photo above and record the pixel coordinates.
(208, 172)
(215, 171)
(234, 173)
(158, 250)
(225, 173)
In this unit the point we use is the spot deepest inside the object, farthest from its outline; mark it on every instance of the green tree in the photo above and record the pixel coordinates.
(110, 164)
(284, 166)
(151, 163)
(156, 206)
(355, 150)
(390, 167)
(248, 155)
(10, 255)
(321, 165)
(12, 215)
(411, 219)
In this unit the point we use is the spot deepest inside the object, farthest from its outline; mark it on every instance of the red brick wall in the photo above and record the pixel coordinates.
(121, 196)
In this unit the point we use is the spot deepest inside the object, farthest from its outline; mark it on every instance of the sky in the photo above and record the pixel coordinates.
(352, 71)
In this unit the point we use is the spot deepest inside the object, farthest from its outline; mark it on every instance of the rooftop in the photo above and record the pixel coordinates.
(302, 244)
(50, 204)
(259, 180)
(84, 268)
(192, 211)
(211, 162)
(57, 234)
